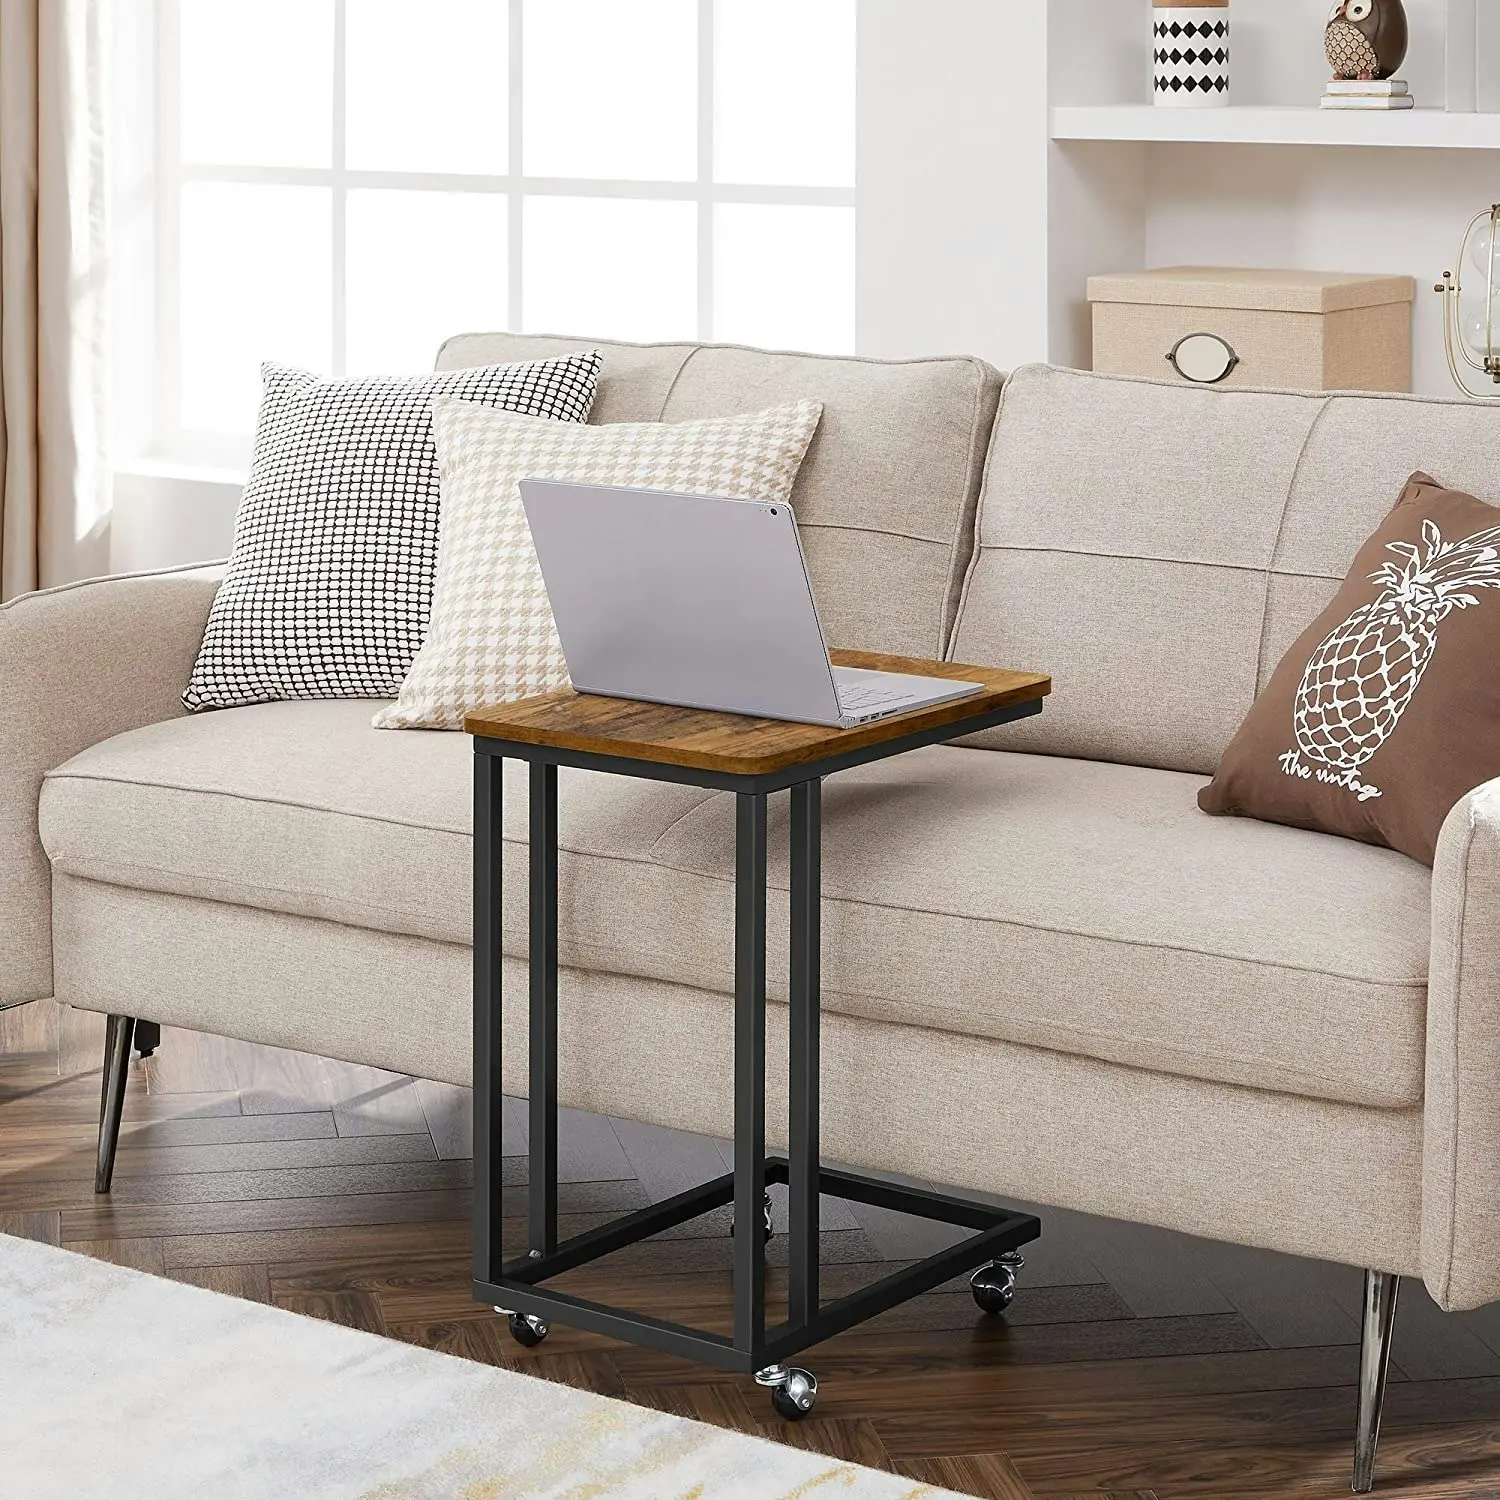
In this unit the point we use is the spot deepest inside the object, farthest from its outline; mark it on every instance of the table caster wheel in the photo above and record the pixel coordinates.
(793, 1391)
(994, 1283)
(525, 1328)
(767, 1229)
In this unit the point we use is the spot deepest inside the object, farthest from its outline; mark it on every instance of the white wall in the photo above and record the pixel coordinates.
(978, 233)
(165, 515)
(1276, 50)
(950, 250)
(975, 230)
(1343, 209)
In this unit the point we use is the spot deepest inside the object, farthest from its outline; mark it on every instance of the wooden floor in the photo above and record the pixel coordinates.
(1133, 1362)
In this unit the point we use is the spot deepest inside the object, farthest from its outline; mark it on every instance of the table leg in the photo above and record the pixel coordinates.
(749, 1070)
(803, 1021)
(488, 1156)
(542, 1168)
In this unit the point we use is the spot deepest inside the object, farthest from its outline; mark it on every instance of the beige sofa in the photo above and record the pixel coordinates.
(1215, 1025)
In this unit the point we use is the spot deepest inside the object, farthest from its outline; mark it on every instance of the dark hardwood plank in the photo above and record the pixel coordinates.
(178, 1219)
(665, 1161)
(1428, 1344)
(1034, 1392)
(1098, 1495)
(382, 1104)
(266, 1080)
(1133, 1364)
(1280, 1465)
(991, 1475)
(138, 1255)
(1156, 1273)
(449, 1113)
(1287, 1300)
(477, 1341)
(80, 1039)
(721, 1405)
(585, 1372)
(352, 1309)
(32, 1092)
(516, 1134)
(285, 1183)
(133, 1161)
(378, 1272)
(393, 1242)
(849, 1439)
(735, 744)
(227, 1130)
(388, 1265)
(249, 1282)
(856, 1356)
(28, 1029)
(44, 1226)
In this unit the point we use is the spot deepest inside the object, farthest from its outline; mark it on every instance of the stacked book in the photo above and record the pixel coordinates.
(1366, 93)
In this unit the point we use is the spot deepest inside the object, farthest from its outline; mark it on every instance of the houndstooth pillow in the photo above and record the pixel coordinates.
(329, 584)
(492, 639)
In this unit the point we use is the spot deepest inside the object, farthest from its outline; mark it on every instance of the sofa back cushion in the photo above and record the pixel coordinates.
(1156, 547)
(885, 497)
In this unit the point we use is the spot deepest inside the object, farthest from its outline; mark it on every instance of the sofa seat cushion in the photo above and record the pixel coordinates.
(1090, 908)
(1079, 906)
(304, 808)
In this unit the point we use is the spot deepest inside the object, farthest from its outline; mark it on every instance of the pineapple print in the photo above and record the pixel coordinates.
(1359, 681)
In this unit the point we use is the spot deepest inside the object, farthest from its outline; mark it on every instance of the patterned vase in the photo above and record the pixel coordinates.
(1190, 53)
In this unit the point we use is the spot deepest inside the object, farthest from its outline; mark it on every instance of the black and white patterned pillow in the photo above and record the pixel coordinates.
(329, 584)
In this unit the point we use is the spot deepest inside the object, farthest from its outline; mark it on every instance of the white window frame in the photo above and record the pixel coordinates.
(171, 442)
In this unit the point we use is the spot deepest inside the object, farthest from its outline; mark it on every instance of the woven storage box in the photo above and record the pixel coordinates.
(1307, 330)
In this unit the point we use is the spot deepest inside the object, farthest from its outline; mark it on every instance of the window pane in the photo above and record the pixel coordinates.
(610, 267)
(421, 266)
(784, 92)
(257, 82)
(255, 285)
(611, 89)
(784, 276)
(427, 91)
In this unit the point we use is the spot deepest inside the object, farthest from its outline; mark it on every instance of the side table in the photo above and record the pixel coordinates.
(751, 758)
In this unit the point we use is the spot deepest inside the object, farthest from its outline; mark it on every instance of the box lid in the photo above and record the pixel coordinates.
(1269, 291)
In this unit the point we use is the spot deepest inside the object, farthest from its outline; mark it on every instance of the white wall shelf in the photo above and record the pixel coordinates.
(1271, 125)
(997, 203)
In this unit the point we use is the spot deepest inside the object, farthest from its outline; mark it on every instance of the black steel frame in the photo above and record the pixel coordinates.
(515, 1285)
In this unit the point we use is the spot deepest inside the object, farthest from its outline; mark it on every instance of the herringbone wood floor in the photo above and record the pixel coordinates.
(1133, 1362)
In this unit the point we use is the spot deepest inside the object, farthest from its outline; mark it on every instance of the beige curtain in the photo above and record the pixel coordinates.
(54, 483)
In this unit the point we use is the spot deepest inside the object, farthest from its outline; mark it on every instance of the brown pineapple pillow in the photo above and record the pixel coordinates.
(1386, 710)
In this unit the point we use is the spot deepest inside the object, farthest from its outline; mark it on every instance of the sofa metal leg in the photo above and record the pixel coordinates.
(147, 1037)
(1374, 1360)
(117, 1038)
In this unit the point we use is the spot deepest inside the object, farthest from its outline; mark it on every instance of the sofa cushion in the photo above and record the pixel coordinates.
(1360, 453)
(1385, 713)
(329, 584)
(1124, 534)
(885, 497)
(304, 808)
(1157, 547)
(492, 638)
(1080, 906)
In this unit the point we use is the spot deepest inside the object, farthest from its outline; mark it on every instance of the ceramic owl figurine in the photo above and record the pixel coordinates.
(1365, 39)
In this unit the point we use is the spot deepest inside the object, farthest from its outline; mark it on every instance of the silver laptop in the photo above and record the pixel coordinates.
(702, 602)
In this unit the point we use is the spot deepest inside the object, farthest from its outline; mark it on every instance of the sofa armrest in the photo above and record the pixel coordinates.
(1461, 1129)
(78, 664)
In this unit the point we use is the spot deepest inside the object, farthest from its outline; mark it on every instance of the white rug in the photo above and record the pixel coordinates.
(117, 1384)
